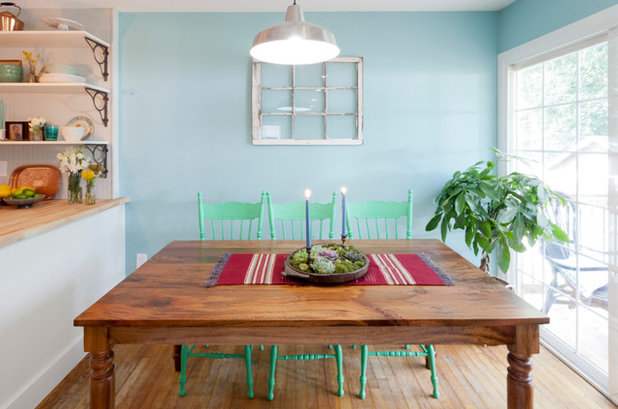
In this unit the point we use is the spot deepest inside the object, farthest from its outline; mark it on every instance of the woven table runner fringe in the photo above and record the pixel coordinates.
(216, 272)
(445, 277)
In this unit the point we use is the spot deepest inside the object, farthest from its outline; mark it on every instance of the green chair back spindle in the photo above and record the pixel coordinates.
(231, 220)
(378, 219)
(289, 215)
(234, 219)
(290, 218)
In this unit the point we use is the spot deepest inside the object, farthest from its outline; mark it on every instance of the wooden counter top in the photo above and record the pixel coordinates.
(19, 224)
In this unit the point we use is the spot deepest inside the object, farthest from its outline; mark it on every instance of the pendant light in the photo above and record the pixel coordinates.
(294, 42)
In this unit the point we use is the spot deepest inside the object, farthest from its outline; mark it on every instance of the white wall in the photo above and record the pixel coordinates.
(45, 282)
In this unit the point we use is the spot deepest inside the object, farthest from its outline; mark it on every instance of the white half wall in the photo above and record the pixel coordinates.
(45, 282)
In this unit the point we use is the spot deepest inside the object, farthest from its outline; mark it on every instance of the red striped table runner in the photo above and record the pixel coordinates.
(384, 269)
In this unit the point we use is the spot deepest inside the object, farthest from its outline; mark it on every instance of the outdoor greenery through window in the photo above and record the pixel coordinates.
(559, 125)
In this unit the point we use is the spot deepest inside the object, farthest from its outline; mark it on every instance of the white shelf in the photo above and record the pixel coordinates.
(88, 142)
(52, 38)
(48, 88)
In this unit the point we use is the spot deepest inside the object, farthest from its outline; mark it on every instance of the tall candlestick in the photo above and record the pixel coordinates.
(307, 219)
(344, 227)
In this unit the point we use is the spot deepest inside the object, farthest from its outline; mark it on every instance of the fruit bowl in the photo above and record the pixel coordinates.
(348, 270)
(23, 203)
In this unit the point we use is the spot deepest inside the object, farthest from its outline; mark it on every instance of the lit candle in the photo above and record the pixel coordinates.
(307, 219)
(344, 227)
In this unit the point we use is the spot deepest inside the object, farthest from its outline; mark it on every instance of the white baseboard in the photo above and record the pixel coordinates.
(46, 380)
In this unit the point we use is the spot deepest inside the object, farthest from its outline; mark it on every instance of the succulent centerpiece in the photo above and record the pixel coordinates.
(328, 263)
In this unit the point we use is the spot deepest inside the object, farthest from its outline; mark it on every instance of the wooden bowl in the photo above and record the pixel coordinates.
(334, 278)
(23, 203)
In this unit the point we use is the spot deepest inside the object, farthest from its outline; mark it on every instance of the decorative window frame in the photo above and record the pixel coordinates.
(256, 106)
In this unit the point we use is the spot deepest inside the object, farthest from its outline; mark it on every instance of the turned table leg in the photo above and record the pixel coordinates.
(176, 357)
(102, 380)
(102, 385)
(519, 388)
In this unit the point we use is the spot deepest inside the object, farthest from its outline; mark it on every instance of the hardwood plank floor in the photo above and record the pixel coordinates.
(470, 377)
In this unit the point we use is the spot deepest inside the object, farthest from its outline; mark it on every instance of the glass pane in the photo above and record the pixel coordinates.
(593, 232)
(276, 127)
(560, 172)
(593, 338)
(342, 100)
(275, 75)
(530, 163)
(309, 100)
(531, 262)
(593, 282)
(562, 315)
(341, 126)
(531, 290)
(593, 126)
(561, 79)
(341, 74)
(593, 178)
(276, 101)
(529, 87)
(560, 128)
(529, 129)
(309, 127)
(309, 75)
(593, 72)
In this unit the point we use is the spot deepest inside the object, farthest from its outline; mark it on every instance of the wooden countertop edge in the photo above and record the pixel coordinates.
(34, 229)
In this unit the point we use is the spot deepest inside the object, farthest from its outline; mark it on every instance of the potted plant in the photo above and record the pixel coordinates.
(496, 212)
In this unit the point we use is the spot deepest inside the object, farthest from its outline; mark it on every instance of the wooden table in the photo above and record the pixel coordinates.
(165, 302)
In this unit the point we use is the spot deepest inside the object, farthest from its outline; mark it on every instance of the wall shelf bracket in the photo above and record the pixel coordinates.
(100, 53)
(99, 156)
(101, 107)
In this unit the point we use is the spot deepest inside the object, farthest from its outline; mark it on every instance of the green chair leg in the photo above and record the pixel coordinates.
(432, 364)
(271, 379)
(363, 375)
(248, 349)
(339, 357)
(184, 352)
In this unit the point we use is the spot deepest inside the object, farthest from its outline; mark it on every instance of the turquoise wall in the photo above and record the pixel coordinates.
(526, 20)
(185, 116)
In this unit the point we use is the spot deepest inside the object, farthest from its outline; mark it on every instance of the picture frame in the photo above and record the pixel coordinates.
(11, 62)
(17, 130)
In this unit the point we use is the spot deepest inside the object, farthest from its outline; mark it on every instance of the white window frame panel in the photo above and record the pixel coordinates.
(602, 23)
(256, 109)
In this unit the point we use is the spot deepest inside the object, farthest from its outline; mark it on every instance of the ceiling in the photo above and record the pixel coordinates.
(273, 5)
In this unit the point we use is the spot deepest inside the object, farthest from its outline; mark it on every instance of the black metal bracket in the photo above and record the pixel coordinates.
(99, 156)
(104, 51)
(101, 108)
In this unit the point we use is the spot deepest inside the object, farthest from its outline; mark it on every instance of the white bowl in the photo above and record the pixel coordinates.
(72, 133)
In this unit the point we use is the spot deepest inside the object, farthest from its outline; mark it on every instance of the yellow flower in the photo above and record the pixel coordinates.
(88, 174)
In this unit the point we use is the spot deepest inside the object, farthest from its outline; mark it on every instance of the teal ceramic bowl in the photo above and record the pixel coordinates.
(10, 73)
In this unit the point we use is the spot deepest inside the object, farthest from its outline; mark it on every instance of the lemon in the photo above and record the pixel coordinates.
(24, 187)
(5, 191)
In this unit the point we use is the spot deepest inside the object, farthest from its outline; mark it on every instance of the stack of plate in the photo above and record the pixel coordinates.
(61, 73)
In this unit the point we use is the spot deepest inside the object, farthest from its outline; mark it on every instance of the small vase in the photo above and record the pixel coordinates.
(31, 77)
(74, 193)
(36, 133)
(90, 196)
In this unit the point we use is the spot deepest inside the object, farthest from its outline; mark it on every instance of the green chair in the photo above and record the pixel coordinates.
(223, 218)
(379, 219)
(291, 218)
(292, 213)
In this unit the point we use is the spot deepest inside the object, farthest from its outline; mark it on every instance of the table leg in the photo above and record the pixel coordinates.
(519, 389)
(176, 357)
(102, 380)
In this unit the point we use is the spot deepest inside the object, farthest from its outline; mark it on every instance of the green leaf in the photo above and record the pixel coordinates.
(506, 215)
(433, 223)
(559, 234)
(504, 259)
(519, 229)
(460, 203)
(469, 235)
(444, 228)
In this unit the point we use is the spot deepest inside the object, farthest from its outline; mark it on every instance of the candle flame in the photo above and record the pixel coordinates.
(307, 193)
(344, 190)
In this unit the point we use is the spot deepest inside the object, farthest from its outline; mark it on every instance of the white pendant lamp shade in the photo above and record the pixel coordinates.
(294, 42)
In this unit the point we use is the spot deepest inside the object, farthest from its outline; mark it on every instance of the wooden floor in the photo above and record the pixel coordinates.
(470, 377)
